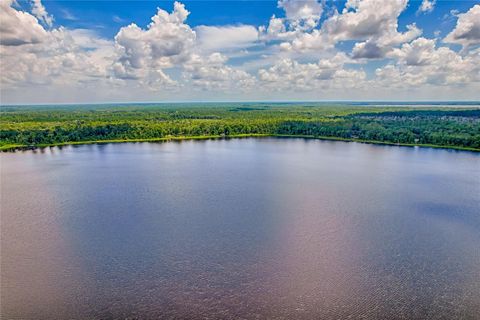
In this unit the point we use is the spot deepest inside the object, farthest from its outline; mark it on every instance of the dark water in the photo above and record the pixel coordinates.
(248, 228)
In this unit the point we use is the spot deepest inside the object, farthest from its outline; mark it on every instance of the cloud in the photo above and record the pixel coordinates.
(211, 73)
(373, 21)
(88, 39)
(367, 50)
(294, 53)
(315, 40)
(170, 43)
(288, 74)
(117, 19)
(426, 6)
(361, 20)
(302, 14)
(32, 55)
(420, 52)
(41, 13)
(64, 56)
(18, 27)
(467, 30)
(213, 38)
(422, 62)
(276, 29)
(167, 41)
(378, 48)
(300, 17)
(67, 15)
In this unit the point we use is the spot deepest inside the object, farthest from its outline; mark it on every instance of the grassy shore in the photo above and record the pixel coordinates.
(15, 147)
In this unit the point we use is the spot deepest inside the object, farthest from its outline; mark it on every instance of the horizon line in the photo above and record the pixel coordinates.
(241, 101)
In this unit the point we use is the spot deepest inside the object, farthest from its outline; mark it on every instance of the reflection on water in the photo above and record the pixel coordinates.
(243, 228)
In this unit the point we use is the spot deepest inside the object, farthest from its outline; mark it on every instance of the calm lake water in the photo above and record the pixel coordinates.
(242, 228)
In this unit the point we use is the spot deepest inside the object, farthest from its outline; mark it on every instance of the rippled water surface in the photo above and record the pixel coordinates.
(243, 228)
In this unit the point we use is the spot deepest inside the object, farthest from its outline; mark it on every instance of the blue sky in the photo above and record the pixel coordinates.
(89, 51)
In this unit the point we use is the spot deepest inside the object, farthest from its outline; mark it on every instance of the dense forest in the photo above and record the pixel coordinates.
(27, 127)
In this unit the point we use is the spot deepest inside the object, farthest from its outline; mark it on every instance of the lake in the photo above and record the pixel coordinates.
(241, 228)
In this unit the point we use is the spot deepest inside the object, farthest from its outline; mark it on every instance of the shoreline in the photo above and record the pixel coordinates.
(13, 148)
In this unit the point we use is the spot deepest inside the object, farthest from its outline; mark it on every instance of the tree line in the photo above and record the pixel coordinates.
(49, 126)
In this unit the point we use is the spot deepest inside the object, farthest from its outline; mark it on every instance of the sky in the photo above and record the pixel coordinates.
(285, 50)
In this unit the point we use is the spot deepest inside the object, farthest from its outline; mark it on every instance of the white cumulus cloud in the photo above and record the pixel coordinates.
(467, 30)
(303, 14)
(167, 41)
(210, 72)
(421, 62)
(427, 6)
(288, 74)
(361, 20)
(31, 55)
(18, 27)
(374, 22)
(41, 13)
